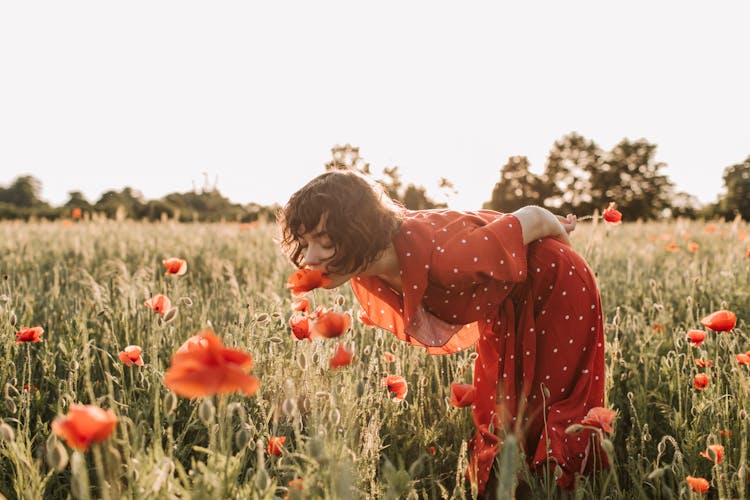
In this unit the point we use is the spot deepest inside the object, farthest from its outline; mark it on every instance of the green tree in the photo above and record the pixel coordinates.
(347, 157)
(128, 202)
(24, 192)
(630, 176)
(566, 183)
(517, 187)
(415, 198)
(76, 199)
(736, 200)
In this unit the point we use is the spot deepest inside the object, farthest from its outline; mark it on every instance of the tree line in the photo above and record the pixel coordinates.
(579, 177)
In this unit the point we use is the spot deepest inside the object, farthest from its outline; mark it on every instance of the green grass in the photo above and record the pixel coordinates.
(86, 284)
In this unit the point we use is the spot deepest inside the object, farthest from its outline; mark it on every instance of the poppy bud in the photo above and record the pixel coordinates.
(206, 412)
(10, 405)
(170, 403)
(171, 315)
(57, 455)
(289, 407)
(241, 438)
(261, 318)
(7, 433)
(574, 429)
(80, 475)
(187, 301)
(13, 319)
(302, 361)
(334, 416)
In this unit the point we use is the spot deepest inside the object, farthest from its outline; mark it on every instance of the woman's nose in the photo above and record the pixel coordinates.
(312, 257)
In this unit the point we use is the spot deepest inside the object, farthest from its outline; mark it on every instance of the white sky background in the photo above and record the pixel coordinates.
(102, 95)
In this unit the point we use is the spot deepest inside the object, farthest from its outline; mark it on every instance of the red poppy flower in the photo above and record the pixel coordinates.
(194, 342)
(748, 252)
(296, 484)
(600, 417)
(275, 445)
(363, 318)
(76, 213)
(720, 321)
(83, 425)
(205, 370)
(397, 387)
(159, 303)
(672, 247)
(611, 215)
(304, 280)
(704, 364)
(131, 355)
(300, 326)
(341, 357)
(33, 334)
(331, 324)
(701, 381)
(432, 450)
(743, 358)
(711, 228)
(462, 395)
(301, 305)
(389, 357)
(697, 484)
(714, 452)
(175, 266)
(693, 247)
(726, 433)
(695, 337)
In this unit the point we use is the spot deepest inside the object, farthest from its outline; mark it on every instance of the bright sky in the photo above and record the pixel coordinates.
(150, 94)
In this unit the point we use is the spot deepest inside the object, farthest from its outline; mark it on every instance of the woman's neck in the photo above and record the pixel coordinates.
(387, 268)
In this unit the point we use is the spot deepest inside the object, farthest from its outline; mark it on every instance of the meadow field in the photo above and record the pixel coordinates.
(85, 283)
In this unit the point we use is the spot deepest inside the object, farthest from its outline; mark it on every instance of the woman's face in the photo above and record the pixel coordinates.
(318, 251)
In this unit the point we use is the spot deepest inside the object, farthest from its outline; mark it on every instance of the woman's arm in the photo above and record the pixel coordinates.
(537, 222)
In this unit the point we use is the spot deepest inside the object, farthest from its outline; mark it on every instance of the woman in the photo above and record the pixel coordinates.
(447, 280)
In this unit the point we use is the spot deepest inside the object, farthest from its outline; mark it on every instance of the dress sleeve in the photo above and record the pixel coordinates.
(478, 247)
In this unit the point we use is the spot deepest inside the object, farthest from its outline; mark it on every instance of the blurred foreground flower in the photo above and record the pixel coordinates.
(720, 321)
(83, 425)
(341, 357)
(131, 355)
(397, 387)
(175, 266)
(210, 368)
(304, 280)
(33, 334)
(600, 417)
(697, 484)
(612, 215)
(462, 395)
(331, 324)
(159, 303)
(275, 445)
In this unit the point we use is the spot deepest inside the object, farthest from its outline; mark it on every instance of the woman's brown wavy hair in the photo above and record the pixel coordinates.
(359, 217)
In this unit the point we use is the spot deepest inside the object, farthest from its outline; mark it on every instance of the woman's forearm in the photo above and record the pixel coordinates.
(537, 222)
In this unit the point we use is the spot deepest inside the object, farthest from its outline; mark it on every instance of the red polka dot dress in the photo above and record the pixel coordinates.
(533, 312)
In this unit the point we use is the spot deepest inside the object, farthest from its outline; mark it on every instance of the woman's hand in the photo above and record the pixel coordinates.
(568, 222)
(537, 222)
